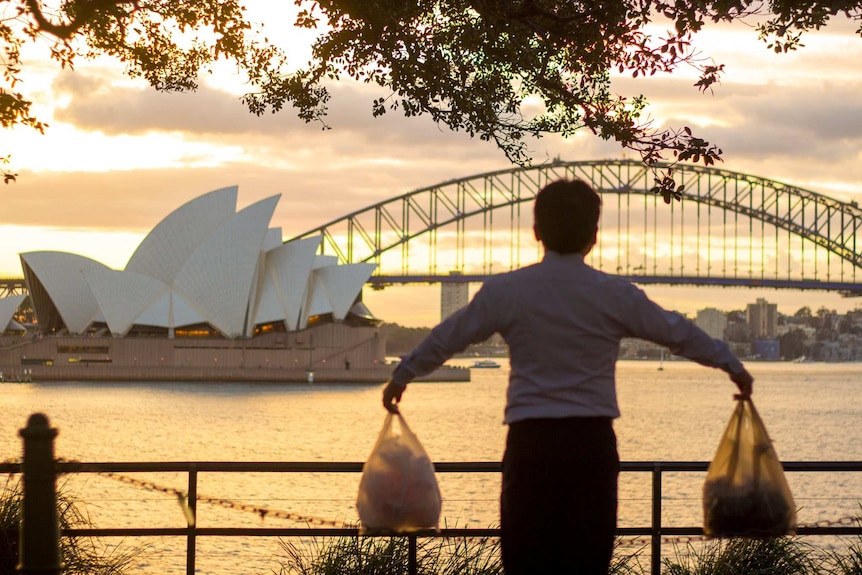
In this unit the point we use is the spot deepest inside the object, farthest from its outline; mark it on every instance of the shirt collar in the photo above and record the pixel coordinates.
(551, 256)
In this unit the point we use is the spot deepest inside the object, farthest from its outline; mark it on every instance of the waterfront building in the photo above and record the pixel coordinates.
(767, 349)
(453, 296)
(762, 318)
(712, 321)
(740, 349)
(204, 270)
(210, 294)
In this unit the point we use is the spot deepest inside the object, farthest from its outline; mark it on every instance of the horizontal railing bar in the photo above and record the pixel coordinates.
(212, 467)
(823, 466)
(277, 532)
(354, 531)
(842, 530)
(356, 467)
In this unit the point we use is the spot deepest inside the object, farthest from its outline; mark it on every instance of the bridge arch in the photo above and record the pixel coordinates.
(481, 216)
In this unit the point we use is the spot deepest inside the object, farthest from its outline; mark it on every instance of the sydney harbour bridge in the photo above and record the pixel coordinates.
(728, 229)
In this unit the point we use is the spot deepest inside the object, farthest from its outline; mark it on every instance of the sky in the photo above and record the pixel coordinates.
(118, 156)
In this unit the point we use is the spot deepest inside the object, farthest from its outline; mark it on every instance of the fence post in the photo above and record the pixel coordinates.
(191, 538)
(412, 549)
(40, 528)
(655, 561)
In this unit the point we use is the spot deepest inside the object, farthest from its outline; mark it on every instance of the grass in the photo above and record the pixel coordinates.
(389, 556)
(481, 556)
(79, 555)
(849, 561)
(773, 556)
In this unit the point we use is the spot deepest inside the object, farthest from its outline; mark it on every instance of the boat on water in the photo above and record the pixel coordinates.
(485, 364)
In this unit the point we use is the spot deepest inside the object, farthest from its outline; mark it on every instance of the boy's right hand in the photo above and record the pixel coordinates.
(743, 381)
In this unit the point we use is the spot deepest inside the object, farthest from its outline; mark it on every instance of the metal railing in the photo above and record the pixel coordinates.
(38, 446)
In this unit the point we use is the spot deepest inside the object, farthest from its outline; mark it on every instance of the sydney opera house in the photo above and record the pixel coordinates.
(211, 293)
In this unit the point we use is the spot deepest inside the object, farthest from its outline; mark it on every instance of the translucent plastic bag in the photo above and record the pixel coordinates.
(398, 491)
(746, 493)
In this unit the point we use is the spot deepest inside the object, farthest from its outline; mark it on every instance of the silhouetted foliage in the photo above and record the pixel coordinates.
(399, 339)
(792, 344)
(497, 69)
(79, 555)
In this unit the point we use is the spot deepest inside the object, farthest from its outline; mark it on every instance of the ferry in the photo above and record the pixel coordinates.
(485, 364)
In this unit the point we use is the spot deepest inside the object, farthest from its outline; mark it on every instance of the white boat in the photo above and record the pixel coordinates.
(485, 364)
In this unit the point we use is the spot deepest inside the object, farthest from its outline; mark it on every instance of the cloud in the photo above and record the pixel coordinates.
(324, 175)
(810, 134)
(136, 200)
(95, 105)
(216, 117)
(804, 133)
(829, 112)
(752, 120)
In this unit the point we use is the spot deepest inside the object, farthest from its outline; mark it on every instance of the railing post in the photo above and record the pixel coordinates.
(412, 564)
(40, 528)
(655, 547)
(191, 538)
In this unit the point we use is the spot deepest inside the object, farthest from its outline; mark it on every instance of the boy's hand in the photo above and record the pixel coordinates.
(743, 381)
(392, 396)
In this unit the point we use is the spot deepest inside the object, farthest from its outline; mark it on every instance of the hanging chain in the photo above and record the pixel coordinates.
(182, 498)
(846, 521)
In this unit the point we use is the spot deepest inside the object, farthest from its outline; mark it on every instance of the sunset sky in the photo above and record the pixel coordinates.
(118, 156)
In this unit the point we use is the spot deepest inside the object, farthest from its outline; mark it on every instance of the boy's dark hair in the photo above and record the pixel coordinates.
(566, 216)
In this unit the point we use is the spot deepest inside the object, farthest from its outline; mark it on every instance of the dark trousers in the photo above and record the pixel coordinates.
(558, 509)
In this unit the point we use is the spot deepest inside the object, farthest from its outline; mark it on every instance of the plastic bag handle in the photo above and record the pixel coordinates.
(403, 428)
(756, 422)
(737, 415)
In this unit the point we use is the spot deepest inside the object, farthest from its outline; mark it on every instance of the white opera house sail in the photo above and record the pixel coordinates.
(212, 293)
(204, 269)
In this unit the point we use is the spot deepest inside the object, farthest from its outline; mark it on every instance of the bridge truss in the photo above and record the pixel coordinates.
(729, 229)
(12, 287)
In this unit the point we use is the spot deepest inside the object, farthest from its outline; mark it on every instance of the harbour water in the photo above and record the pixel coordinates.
(812, 411)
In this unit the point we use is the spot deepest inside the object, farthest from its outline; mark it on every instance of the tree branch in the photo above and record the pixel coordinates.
(65, 31)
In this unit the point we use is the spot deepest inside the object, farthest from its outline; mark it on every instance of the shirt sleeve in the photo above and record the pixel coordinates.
(472, 324)
(647, 320)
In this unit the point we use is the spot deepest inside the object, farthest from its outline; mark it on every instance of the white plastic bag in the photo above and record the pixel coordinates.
(398, 491)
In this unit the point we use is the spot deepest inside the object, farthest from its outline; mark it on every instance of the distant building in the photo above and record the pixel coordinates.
(767, 349)
(206, 270)
(453, 296)
(740, 349)
(635, 348)
(712, 321)
(762, 318)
